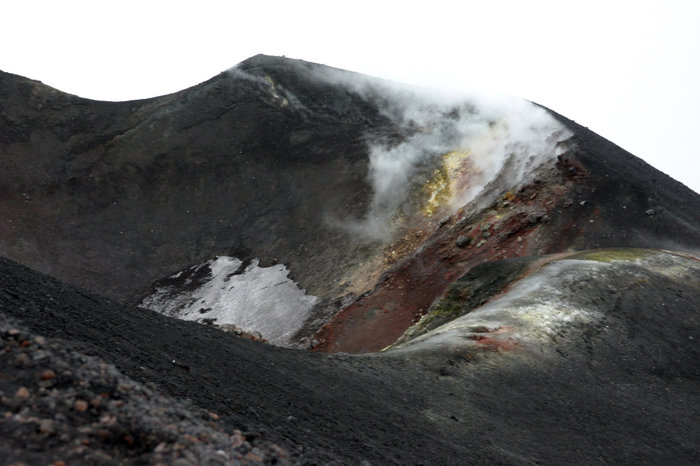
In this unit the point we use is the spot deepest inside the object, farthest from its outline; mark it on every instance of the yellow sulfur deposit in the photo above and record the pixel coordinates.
(283, 102)
(442, 184)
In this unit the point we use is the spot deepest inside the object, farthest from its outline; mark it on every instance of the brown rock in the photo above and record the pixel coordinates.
(22, 393)
(48, 374)
(80, 406)
(238, 439)
(46, 426)
(462, 241)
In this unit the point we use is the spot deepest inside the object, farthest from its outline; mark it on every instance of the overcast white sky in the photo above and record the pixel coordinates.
(629, 70)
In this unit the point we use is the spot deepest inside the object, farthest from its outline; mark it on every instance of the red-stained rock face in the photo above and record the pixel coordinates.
(494, 340)
(595, 198)
(508, 228)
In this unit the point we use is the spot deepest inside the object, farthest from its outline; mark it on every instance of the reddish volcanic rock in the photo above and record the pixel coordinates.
(508, 228)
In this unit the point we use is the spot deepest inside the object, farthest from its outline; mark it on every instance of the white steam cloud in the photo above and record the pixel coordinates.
(505, 137)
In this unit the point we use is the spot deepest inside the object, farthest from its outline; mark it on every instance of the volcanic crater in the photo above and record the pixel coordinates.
(421, 278)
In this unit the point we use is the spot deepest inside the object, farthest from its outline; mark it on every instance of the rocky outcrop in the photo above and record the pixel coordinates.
(60, 406)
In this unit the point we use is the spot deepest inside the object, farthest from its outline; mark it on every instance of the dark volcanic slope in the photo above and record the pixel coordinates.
(595, 195)
(522, 349)
(622, 388)
(59, 405)
(633, 203)
(113, 196)
(258, 162)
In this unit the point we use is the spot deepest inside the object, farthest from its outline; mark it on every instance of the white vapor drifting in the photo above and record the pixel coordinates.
(498, 133)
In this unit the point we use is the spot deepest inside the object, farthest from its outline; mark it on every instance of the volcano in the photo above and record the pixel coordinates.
(319, 267)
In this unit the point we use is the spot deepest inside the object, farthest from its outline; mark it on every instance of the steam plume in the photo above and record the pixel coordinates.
(495, 132)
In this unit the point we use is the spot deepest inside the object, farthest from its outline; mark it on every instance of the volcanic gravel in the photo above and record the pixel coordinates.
(59, 406)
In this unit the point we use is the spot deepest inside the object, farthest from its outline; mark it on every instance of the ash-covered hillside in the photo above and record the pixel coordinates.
(515, 288)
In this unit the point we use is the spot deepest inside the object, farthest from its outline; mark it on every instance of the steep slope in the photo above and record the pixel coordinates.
(113, 196)
(594, 195)
(608, 374)
(59, 405)
(449, 238)
(361, 189)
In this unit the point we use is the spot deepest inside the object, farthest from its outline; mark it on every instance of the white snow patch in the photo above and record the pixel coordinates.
(256, 299)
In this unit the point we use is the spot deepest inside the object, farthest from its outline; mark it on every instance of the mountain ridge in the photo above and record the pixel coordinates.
(139, 174)
(506, 276)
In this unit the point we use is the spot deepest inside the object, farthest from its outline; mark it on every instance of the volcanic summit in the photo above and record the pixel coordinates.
(291, 263)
